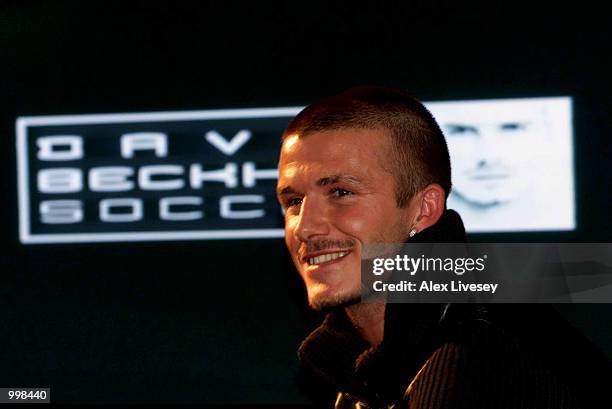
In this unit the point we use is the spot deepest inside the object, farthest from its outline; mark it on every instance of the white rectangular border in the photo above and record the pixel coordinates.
(567, 102)
(22, 123)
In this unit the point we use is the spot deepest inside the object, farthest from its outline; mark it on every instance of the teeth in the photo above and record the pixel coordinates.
(326, 257)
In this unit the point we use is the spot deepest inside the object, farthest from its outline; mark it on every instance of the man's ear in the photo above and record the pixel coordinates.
(432, 203)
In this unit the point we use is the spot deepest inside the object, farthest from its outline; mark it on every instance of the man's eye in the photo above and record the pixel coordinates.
(456, 129)
(512, 126)
(296, 201)
(337, 192)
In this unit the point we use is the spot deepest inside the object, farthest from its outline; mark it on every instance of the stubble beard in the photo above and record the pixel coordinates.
(348, 299)
(335, 301)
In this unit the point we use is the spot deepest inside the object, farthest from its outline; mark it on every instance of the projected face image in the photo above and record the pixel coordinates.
(492, 144)
(488, 158)
(511, 162)
(337, 197)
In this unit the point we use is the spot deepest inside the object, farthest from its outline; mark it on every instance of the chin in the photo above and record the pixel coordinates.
(319, 301)
(485, 199)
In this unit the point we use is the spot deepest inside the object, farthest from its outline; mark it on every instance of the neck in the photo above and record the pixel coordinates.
(369, 320)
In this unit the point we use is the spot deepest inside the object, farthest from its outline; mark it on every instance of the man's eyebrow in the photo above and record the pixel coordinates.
(285, 191)
(328, 180)
(465, 126)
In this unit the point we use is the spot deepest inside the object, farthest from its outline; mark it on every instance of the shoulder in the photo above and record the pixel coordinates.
(483, 363)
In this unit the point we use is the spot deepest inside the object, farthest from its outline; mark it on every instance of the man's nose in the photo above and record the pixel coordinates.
(487, 150)
(313, 220)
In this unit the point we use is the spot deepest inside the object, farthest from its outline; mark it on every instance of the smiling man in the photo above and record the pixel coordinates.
(335, 189)
(370, 165)
(346, 181)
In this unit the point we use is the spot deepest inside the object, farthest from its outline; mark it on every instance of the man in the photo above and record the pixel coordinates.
(370, 165)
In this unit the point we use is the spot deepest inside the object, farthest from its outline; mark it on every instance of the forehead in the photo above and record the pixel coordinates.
(346, 149)
(489, 112)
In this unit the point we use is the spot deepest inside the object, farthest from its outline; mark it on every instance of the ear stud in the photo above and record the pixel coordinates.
(412, 232)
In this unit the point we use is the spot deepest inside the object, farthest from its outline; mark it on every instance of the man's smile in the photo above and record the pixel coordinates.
(324, 257)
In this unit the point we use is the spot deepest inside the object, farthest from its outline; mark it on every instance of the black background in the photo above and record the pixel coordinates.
(219, 321)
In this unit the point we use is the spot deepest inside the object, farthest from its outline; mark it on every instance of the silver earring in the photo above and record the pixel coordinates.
(412, 232)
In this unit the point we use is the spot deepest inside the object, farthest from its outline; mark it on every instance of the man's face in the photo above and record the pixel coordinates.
(338, 196)
(487, 159)
(491, 144)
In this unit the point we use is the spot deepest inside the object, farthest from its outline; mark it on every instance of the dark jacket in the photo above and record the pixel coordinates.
(455, 355)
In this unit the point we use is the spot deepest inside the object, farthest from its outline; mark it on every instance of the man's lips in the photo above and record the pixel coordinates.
(322, 257)
(489, 176)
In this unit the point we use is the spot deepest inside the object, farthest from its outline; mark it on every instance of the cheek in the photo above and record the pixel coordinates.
(352, 220)
(290, 241)
(366, 222)
(463, 152)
